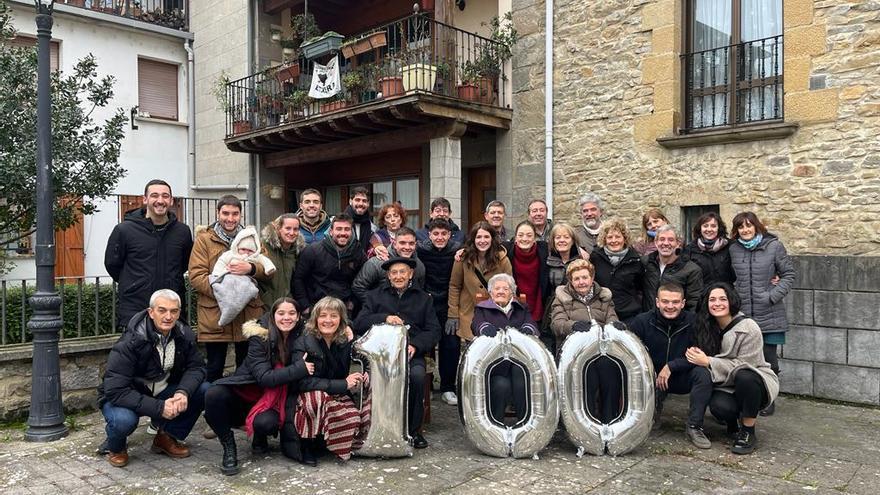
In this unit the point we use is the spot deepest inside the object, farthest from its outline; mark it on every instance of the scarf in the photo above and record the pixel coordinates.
(585, 298)
(651, 233)
(711, 246)
(506, 308)
(615, 256)
(752, 244)
(526, 266)
(593, 232)
(272, 399)
(227, 238)
(362, 225)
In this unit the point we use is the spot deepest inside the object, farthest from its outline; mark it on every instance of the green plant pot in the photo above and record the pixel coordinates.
(324, 45)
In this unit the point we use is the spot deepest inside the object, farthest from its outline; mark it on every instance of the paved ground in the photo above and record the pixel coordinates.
(808, 447)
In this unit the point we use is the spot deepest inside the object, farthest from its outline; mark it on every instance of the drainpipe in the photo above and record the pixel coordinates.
(253, 160)
(548, 107)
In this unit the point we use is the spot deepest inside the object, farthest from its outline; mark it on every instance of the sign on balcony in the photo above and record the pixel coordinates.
(325, 80)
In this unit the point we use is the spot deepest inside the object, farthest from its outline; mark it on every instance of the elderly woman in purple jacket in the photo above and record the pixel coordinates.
(507, 381)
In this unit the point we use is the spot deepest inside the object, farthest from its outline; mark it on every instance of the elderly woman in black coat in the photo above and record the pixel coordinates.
(507, 383)
(256, 394)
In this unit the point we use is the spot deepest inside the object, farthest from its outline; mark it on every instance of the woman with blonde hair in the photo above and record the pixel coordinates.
(324, 405)
(618, 268)
(652, 220)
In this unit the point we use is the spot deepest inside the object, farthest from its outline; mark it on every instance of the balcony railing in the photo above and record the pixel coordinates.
(415, 54)
(734, 85)
(172, 14)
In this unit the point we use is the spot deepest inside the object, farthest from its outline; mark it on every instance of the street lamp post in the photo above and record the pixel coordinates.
(46, 417)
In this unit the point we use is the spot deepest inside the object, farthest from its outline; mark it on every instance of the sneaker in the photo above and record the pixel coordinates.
(152, 429)
(449, 398)
(769, 410)
(745, 442)
(732, 429)
(697, 437)
(260, 444)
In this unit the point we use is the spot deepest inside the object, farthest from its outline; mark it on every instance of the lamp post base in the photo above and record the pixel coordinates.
(45, 433)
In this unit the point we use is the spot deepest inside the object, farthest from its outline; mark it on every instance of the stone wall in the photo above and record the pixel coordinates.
(832, 349)
(617, 90)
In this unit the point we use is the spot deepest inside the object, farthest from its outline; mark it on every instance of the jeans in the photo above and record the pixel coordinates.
(216, 357)
(749, 396)
(697, 382)
(121, 421)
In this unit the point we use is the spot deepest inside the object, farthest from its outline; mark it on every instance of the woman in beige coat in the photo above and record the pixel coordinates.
(482, 257)
(576, 305)
(731, 346)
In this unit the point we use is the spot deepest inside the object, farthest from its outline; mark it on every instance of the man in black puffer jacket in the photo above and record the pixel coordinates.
(148, 251)
(665, 265)
(668, 331)
(155, 370)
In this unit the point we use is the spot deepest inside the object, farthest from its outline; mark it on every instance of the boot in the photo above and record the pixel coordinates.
(308, 452)
(260, 444)
(229, 464)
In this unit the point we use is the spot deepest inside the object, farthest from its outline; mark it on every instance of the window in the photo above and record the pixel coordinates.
(28, 42)
(690, 215)
(733, 64)
(157, 89)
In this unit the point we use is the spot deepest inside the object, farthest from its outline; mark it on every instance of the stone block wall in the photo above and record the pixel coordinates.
(832, 348)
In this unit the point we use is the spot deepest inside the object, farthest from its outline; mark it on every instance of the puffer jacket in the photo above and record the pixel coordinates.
(259, 365)
(624, 280)
(761, 300)
(207, 249)
(684, 273)
(716, 266)
(566, 309)
(315, 233)
(285, 263)
(463, 288)
(372, 275)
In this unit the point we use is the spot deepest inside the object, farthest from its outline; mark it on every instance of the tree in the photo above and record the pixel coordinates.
(85, 154)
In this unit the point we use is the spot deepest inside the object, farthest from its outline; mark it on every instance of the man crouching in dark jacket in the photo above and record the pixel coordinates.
(667, 331)
(398, 302)
(155, 370)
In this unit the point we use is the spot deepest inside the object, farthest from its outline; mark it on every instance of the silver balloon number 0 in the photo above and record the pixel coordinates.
(384, 346)
(585, 431)
(534, 432)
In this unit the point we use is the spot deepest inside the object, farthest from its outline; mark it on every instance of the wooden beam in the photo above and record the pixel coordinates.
(306, 134)
(469, 116)
(343, 127)
(365, 145)
(377, 117)
(405, 112)
(360, 121)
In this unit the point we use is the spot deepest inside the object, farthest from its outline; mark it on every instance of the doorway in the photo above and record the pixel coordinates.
(481, 190)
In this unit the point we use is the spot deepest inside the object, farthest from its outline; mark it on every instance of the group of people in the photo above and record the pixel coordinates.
(710, 314)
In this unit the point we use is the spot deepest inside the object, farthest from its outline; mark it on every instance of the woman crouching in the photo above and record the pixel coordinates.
(325, 406)
(731, 346)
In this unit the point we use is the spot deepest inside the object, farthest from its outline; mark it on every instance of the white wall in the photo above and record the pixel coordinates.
(155, 150)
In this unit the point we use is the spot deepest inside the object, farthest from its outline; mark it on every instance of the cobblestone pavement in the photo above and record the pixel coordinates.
(807, 447)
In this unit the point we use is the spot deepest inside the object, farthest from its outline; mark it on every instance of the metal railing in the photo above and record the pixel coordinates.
(734, 85)
(413, 54)
(191, 211)
(168, 13)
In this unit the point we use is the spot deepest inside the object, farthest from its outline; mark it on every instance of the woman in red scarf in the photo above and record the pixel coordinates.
(256, 395)
(528, 258)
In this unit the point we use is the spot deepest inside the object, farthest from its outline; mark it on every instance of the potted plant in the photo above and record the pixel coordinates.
(287, 71)
(297, 103)
(492, 56)
(417, 73)
(444, 73)
(355, 83)
(219, 90)
(334, 103)
(364, 43)
(319, 46)
(468, 89)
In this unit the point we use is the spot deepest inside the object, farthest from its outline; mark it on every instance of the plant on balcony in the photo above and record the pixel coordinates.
(470, 77)
(490, 60)
(355, 84)
(364, 43)
(320, 46)
(297, 103)
(219, 89)
(444, 77)
(334, 103)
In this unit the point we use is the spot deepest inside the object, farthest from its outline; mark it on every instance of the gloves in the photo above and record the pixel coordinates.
(581, 326)
(451, 326)
(619, 325)
(488, 330)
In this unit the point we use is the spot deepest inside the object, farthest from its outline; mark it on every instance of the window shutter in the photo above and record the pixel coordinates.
(27, 42)
(157, 89)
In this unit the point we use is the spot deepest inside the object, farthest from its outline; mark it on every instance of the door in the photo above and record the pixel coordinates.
(69, 249)
(481, 190)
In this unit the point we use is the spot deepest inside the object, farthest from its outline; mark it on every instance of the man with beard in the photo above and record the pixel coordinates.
(440, 208)
(148, 251)
(359, 210)
(437, 252)
(313, 221)
(665, 265)
(592, 208)
(328, 268)
(372, 275)
(538, 217)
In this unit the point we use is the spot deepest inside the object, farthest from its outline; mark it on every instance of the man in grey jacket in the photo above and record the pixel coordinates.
(372, 274)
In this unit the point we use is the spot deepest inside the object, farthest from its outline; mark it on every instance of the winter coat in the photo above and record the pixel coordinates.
(372, 275)
(285, 262)
(684, 273)
(221, 267)
(666, 340)
(134, 363)
(331, 364)
(259, 366)
(742, 347)
(206, 250)
(624, 280)
(438, 262)
(716, 267)
(584, 239)
(362, 229)
(488, 314)
(463, 288)
(539, 236)
(325, 270)
(566, 309)
(543, 270)
(314, 234)
(142, 260)
(556, 276)
(414, 306)
(457, 234)
(761, 300)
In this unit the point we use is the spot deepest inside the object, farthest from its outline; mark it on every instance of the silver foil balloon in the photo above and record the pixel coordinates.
(585, 431)
(532, 434)
(384, 347)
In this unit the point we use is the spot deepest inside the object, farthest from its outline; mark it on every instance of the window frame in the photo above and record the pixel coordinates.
(175, 93)
(734, 86)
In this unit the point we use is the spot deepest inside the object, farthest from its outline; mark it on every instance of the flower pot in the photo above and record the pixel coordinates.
(333, 106)
(347, 50)
(487, 90)
(325, 45)
(469, 92)
(419, 76)
(240, 127)
(287, 72)
(391, 86)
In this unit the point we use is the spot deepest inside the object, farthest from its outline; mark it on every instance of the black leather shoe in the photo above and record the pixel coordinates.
(260, 445)
(419, 442)
(308, 455)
